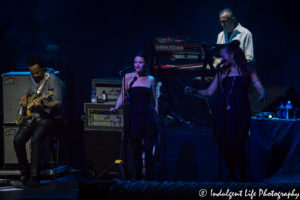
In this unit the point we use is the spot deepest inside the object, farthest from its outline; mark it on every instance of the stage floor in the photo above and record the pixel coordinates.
(118, 189)
(63, 189)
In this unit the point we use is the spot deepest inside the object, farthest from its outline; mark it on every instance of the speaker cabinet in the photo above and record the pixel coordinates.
(10, 157)
(103, 148)
(274, 96)
(14, 86)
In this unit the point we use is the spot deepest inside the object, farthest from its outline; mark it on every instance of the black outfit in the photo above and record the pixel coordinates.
(232, 126)
(37, 131)
(143, 117)
(143, 125)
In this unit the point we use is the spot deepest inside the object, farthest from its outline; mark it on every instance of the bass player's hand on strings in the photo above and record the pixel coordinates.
(23, 101)
(36, 103)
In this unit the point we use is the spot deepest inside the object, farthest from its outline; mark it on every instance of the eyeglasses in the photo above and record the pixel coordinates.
(226, 21)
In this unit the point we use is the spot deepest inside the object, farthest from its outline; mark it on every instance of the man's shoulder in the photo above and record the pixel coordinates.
(151, 78)
(243, 29)
(53, 77)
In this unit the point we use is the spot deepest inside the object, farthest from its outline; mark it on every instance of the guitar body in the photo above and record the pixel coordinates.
(26, 114)
(26, 111)
(31, 98)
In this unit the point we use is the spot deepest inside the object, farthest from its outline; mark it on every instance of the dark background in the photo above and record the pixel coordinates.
(99, 38)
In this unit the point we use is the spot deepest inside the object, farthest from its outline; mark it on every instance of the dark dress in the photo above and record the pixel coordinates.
(232, 126)
(142, 117)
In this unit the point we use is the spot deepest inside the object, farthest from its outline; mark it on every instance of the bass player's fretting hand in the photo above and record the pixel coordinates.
(36, 103)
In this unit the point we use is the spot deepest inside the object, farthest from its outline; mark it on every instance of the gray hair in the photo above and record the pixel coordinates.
(229, 11)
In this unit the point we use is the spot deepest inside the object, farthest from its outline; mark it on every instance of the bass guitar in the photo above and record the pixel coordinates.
(25, 112)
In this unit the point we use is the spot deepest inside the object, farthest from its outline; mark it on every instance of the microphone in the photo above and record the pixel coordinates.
(221, 63)
(129, 67)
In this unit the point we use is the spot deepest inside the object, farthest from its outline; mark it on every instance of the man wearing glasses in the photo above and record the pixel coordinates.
(232, 30)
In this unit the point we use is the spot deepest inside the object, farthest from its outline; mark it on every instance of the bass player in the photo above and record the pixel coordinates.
(45, 116)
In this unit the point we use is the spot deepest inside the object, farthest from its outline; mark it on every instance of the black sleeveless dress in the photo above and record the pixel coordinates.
(232, 126)
(142, 116)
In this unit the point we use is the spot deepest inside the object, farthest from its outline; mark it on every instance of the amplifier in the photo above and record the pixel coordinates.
(98, 117)
(14, 86)
(109, 86)
(10, 157)
(103, 148)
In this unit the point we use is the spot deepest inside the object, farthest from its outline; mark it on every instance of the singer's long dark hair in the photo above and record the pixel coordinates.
(146, 58)
(244, 67)
(143, 55)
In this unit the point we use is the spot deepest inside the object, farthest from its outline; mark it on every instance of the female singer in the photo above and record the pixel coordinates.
(233, 115)
(143, 111)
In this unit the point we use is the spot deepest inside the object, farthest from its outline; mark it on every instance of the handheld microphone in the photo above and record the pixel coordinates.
(221, 63)
(129, 67)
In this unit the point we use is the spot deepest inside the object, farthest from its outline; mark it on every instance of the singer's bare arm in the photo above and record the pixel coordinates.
(153, 88)
(258, 86)
(211, 90)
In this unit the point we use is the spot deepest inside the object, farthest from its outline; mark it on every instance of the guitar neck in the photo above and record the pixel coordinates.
(31, 103)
